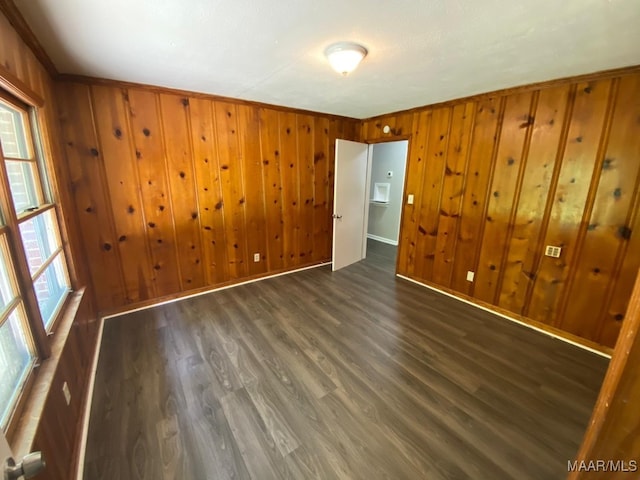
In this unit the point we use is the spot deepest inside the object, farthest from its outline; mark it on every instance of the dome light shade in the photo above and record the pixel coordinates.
(344, 57)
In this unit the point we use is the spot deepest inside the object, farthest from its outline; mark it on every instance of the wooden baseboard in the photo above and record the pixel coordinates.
(522, 320)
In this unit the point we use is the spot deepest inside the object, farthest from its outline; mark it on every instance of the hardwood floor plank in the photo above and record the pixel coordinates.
(259, 452)
(208, 438)
(349, 374)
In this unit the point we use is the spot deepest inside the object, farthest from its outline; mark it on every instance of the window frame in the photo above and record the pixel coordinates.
(34, 326)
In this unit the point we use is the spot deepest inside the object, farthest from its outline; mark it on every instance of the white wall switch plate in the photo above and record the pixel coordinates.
(67, 393)
(256, 257)
(410, 199)
(470, 276)
(552, 251)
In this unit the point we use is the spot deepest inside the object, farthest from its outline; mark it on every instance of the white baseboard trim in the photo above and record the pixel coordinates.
(382, 239)
(87, 408)
(528, 325)
(215, 289)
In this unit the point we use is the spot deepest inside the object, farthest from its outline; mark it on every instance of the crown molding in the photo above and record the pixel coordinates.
(9, 9)
(587, 77)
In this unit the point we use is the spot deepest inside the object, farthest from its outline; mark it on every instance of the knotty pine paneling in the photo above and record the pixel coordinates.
(484, 136)
(453, 187)
(498, 177)
(613, 432)
(413, 183)
(57, 431)
(177, 193)
(522, 249)
(158, 230)
(182, 193)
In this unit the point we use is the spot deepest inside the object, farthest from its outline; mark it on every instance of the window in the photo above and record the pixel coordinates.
(37, 259)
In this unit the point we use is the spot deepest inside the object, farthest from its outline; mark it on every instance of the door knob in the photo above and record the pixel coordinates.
(337, 216)
(30, 466)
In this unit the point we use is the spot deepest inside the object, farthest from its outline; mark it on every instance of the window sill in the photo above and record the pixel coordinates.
(25, 433)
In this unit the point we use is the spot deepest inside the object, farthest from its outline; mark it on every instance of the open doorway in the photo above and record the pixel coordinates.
(388, 164)
(367, 202)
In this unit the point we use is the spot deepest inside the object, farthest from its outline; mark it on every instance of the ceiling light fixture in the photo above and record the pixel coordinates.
(344, 57)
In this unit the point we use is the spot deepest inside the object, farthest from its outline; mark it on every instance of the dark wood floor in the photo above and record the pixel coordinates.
(352, 374)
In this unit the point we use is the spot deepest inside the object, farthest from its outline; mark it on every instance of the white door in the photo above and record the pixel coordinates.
(349, 203)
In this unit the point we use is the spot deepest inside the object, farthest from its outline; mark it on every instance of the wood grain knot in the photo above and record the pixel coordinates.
(624, 232)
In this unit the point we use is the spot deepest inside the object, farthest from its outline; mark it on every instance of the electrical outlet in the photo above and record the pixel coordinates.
(256, 257)
(67, 393)
(470, 276)
(552, 251)
(410, 199)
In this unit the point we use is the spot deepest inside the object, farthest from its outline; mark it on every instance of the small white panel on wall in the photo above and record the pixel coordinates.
(381, 192)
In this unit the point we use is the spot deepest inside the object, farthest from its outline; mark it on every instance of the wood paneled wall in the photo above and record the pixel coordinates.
(499, 177)
(57, 429)
(613, 433)
(177, 192)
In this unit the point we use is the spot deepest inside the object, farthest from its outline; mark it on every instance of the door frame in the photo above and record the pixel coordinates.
(370, 143)
(389, 139)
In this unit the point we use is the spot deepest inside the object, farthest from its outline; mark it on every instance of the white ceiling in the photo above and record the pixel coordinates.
(420, 52)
